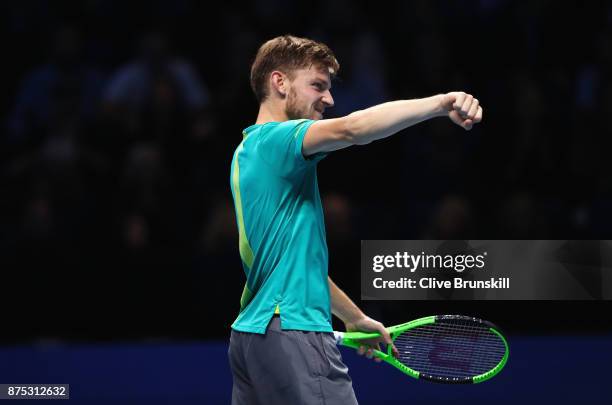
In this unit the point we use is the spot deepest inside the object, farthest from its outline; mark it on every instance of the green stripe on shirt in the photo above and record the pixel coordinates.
(246, 253)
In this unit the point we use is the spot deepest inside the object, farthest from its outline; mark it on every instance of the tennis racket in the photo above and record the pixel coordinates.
(452, 349)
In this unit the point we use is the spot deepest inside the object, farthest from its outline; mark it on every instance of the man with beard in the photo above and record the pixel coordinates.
(282, 349)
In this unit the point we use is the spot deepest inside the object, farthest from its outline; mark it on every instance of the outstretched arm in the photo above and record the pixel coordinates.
(355, 320)
(383, 120)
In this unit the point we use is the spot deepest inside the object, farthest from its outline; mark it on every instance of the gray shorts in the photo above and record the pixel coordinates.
(288, 367)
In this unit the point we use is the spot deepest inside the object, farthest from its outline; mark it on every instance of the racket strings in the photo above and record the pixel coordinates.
(447, 355)
(459, 348)
(456, 367)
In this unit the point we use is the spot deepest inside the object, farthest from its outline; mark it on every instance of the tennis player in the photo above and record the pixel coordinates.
(282, 350)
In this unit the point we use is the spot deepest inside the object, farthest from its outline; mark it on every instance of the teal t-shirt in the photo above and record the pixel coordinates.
(281, 230)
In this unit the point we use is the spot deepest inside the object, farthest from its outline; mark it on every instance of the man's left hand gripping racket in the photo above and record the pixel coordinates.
(453, 349)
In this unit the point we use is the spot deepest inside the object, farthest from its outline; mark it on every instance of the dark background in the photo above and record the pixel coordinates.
(119, 120)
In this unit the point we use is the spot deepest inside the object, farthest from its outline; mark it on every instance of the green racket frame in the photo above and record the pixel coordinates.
(352, 339)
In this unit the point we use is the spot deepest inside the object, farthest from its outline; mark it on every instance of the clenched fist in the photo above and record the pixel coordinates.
(463, 109)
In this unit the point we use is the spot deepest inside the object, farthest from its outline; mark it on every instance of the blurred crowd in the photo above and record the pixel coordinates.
(120, 119)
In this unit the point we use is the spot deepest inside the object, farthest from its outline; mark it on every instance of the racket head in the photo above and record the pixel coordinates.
(450, 349)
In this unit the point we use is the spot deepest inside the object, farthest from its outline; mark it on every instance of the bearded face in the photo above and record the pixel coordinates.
(308, 95)
(297, 108)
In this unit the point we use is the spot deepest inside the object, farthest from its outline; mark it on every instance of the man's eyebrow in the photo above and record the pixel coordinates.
(323, 82)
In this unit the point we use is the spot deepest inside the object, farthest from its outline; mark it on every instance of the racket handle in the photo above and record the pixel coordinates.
(353, 343)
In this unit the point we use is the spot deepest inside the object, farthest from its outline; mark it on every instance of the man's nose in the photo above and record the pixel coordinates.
(328, 100)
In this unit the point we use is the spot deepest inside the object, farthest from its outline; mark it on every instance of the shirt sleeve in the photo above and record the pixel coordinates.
(280, 145)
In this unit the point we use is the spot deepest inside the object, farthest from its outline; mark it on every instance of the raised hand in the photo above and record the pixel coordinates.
(463, 109)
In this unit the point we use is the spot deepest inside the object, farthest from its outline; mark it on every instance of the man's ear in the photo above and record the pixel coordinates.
(279, 83)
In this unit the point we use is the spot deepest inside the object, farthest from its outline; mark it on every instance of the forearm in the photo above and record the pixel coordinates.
(385, 119)
(342, 306)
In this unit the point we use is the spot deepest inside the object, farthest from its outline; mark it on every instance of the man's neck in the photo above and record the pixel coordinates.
(270, 111)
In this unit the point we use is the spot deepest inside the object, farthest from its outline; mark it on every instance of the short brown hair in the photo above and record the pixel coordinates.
(288, 53)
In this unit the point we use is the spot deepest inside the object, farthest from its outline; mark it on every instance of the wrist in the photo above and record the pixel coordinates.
(440, 109)
(352, 322)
